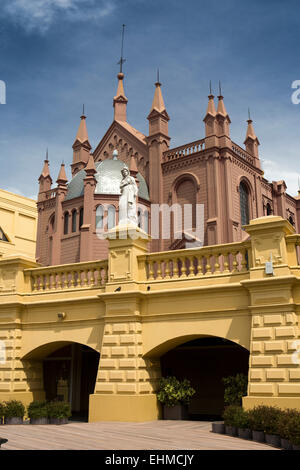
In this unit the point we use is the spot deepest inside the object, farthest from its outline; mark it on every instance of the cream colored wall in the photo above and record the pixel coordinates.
(18, 220)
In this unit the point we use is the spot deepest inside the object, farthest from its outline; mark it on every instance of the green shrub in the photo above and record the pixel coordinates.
(1, 412)
(284, 422)
(235, 387)
(230, 414)
(37, 409)
(14, 409)
(58, 409)
(241, 419)
(293, 428)
(256, 418)
(173, 391)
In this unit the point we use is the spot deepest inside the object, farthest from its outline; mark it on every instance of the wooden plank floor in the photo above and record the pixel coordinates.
(155, 435)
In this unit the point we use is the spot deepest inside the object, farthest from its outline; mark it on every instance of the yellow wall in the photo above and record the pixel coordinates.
(136, 306)
(18, 220)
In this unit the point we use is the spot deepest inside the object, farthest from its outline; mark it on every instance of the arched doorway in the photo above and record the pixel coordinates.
(205, 361)
(69, 374)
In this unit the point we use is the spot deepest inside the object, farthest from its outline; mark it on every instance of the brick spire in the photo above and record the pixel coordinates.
(120, 101)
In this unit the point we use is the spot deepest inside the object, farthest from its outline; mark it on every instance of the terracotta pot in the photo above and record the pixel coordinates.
(176, 412)
(231, 430)
(286, 444)
(273, 440)
(218, 427)
(38, 420)
(258, 436)
(245, 433)
(58, 420)
(14, 420)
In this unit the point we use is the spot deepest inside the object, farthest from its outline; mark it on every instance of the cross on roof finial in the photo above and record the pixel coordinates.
(122, 60)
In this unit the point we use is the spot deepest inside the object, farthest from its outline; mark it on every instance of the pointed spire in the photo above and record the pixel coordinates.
(45, 171)
(120, 100)
(158, 101)
(221, 106)
(62, 177)
(90, 168)
(82, 134)
(45, 180)
(251, 141)
(211, 103)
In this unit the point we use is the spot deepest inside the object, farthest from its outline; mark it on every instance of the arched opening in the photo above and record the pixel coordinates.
(269, 209)
(205, 361)
(80, 217)
(66, 223)
(99, 217)
(291, 220)
(244, 203)
(111, 217)
(74, 220)
(69, 374)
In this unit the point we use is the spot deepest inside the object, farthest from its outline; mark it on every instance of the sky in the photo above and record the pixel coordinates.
(58, 54)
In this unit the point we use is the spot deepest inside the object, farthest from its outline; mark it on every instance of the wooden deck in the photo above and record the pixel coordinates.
(156, 435)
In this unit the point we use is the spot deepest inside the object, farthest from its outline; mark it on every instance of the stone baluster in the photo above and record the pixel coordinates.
(208, 266)
(183, 266)
(167, 269)
(175, 267)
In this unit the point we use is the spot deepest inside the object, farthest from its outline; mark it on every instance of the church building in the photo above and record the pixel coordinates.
(224, 177)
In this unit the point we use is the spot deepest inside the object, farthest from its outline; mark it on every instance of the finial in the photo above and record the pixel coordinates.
(298, 185)
(83, 109)
(47, 155)
(122, 60)
(249, 117)
(220, 88)
(210, 92)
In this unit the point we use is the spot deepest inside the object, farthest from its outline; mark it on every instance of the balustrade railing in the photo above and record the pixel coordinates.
(206, 261)
(184, 150)
(242, 153)
(69, 276)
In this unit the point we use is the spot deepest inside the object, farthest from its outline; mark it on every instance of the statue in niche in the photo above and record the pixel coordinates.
(127, 202)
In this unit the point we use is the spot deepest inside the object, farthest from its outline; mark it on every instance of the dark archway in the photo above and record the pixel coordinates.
(69, 374)
(205, 361)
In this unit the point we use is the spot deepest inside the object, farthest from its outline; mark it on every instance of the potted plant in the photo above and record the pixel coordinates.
(58, 412)
(37, 412)
(271, 418)
(14, 411)
(175, 395)
(283, 428)
(293, 429)
(256, 417)
(241, 421)
(229, 416)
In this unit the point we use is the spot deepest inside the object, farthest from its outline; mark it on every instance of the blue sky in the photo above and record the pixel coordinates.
(58, 54)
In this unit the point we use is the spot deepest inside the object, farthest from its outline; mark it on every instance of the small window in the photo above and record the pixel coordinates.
(66, 223)
(111, 217)
(99, 217)
(81, 217)
(269, 209)
(244, 204)
(291, 220)
(74, 221)
(146, 221)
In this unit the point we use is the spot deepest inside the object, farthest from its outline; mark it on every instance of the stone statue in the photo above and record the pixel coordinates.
(127, 202)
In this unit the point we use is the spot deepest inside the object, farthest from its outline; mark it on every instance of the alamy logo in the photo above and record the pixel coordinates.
(2, 92)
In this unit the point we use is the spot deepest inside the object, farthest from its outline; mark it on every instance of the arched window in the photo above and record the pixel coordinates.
(99, 217)
(291, 220)
(74, 221)
(81, 217)
(244, 204)
(66, 223)
(111, 217)
(269, 209)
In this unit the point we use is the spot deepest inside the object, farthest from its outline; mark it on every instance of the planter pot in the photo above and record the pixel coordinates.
(231, 431)
(258, 436)
(286, 444)
(218, 427)
(15, 420)
(38, 420)
(296, 446)
(273, 440)
(176, 412)
(245, 433)
(58, 420)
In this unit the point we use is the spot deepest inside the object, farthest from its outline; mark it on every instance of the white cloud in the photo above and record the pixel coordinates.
(39, 15)
(275, 172)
